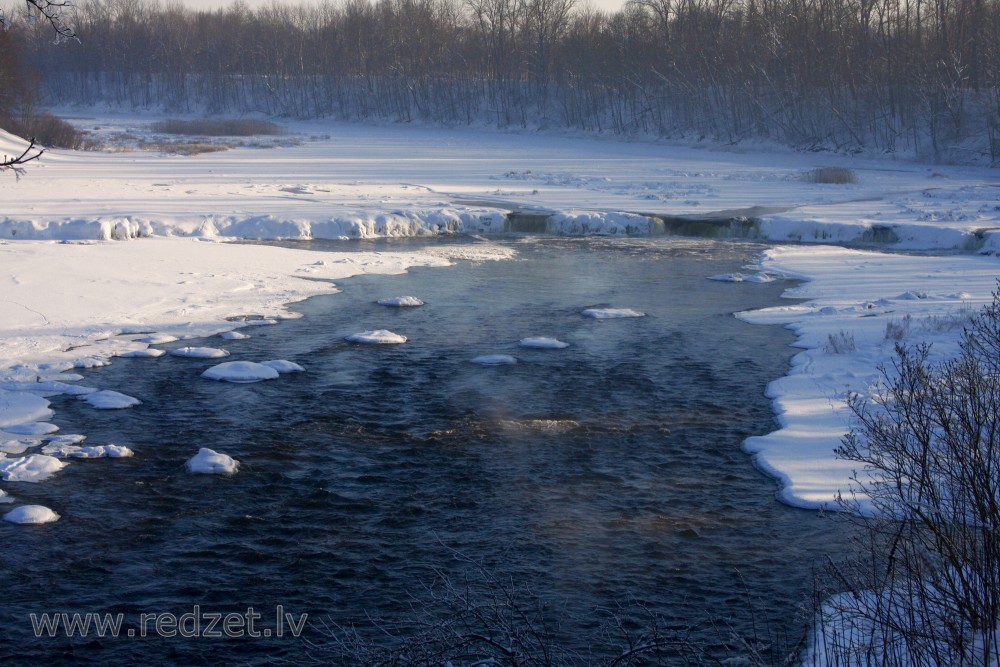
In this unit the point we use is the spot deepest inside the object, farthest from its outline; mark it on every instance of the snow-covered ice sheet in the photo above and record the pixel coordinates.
(348, 180)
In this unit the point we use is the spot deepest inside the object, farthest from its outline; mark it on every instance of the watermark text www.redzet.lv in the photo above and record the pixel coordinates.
(195, 623)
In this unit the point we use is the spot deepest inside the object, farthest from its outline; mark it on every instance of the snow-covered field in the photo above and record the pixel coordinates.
(106, 253)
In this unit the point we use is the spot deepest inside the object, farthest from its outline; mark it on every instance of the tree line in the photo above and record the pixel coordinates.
(920, 76)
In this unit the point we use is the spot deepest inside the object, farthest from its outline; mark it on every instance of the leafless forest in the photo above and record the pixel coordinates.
(914, 76)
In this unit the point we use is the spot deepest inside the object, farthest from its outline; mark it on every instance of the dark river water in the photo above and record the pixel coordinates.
(600, 481)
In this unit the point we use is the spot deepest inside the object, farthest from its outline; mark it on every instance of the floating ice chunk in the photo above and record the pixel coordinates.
(259, 323)
(31, 515)
(156, 339)
(377, 337)
(148, 353)
(110, 400)
(233, 335)
(64, 451)
(240, 371)
(401, 301)
(611, 313)
(494, 360)
(200, 352)
(729, 277)
(283, 366)
(4, 498)
(31, 468)
(32, 428)
(17, 407)
(543, 343)
(212, 462)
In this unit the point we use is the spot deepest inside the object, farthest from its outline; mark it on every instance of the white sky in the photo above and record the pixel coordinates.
(607, 5)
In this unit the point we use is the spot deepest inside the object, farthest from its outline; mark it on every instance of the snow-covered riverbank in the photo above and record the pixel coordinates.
(77, 291)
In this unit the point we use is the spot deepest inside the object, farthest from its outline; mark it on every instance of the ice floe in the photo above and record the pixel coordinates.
(401, 301)
(31, 468)
(494, 360)
(200, 352)
(210, 461)
(611, 313)
(31, 515)
(240, 371)
(542, 342)
(110, 400)
(67, 451)
(284, 366)
(233, 335)
(377, 337)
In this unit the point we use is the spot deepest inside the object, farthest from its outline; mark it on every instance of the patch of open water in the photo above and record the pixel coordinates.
(607, 472)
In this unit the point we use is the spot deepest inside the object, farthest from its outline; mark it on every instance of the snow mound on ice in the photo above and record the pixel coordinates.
(31, 515)
(240, 371)
(65, 451)
(283, 366)
(494, 360)
(377, 337)
(401, 301)
(32, 468)
(110, 400)
(211, 462)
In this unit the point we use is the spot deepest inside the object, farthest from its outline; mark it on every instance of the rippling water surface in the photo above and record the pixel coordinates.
(607, 472)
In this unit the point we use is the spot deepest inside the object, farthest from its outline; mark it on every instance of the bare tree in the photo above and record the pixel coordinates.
(927, 588)
(54, 13)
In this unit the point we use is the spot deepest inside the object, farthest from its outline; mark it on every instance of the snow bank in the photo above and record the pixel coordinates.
(858, 305)
(211, 462)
